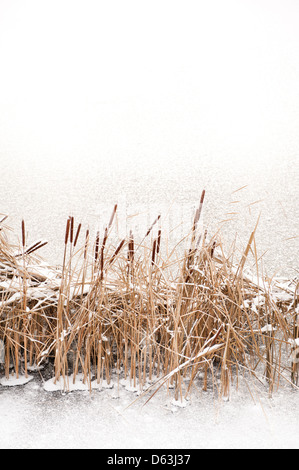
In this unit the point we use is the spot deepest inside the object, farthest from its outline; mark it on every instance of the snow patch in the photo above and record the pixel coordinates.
(67, 384)
(34, 367)
(268, 329)
(294, 342)
(180, 403)
(13, 381)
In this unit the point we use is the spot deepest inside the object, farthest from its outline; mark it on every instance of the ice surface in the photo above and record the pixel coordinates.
(115, 418)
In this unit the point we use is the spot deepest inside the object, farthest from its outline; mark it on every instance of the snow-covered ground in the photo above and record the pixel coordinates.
(31, 417)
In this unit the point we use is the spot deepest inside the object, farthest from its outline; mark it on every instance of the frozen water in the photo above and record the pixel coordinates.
(34, 418)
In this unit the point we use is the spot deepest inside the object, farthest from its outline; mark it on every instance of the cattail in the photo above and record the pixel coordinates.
(117, 250)
(77, 235)
(158, 241)
(154, 251)
(86, 243)
(213, 249)
(35, 247)
(153, 224)
(67, 230)
(105, 238)
(205, 236)
(112, 216)
(151, 227)
(23, 234)
(131, 248)
(71, 229)
(202, 196)
(96, 253)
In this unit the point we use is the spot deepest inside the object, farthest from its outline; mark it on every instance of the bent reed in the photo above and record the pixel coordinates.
(180, 317)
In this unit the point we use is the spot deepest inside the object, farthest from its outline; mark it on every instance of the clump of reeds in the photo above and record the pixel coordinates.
(174, 317)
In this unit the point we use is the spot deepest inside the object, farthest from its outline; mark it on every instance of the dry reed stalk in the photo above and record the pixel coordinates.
(102, 254)
(60, 364)
(24, 306)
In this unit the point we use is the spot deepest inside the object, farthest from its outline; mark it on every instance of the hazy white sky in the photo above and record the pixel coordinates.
(235, 61)
(109, 97)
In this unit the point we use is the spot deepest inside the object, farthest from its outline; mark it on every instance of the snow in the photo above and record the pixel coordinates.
(180, 403)
(294, 342)
(116, 419)
(71, 385)
(14, 381)
(268, 329)
(34, 367)
(66, 385)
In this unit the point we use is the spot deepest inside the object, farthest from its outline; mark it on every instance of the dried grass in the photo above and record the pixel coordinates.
(178, 319)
